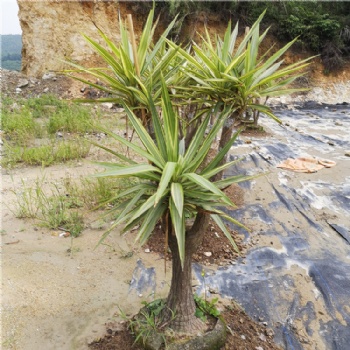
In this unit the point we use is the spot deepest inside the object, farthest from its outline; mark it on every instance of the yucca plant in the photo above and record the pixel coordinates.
(239, 78)
(174, 187)
(177, 183)
(121, 78)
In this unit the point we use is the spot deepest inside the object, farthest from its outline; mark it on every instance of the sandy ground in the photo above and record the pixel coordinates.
(57, 293)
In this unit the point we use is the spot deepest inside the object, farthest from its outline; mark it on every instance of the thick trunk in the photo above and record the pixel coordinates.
(180, 301)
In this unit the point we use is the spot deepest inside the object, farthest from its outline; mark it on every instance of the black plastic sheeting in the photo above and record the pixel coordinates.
(300, 286)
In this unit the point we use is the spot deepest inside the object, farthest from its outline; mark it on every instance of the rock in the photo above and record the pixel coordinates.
(59, 134)
(262, 337)
(347, 153)
(46, 90)
(269, 332)
(208, 254)
(18, 90)
(48, 75)
(107, 105)
(22, 83)
(147, 250)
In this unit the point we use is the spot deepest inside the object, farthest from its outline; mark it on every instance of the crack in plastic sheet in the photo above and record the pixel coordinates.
(341, 230)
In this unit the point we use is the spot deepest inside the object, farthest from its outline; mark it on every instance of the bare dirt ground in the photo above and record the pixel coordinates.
(59, 293)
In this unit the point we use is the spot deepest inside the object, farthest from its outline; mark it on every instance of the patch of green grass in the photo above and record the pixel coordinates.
(44, 105)
(46, 155)
(53, 209)
(25, 120)
(61, 206)
(20, 127)
(72, 118)
(95, 193)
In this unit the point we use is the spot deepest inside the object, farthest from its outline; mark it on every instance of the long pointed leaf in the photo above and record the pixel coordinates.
(177, 195)
(167, 174)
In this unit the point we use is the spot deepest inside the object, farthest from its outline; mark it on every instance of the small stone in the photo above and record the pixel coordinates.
(243, 337)
(347, 153)
(46, 90)
(331, 143)
(269, 332)
(241, 320)
(262, 337)
(82, 90)
(109, 331)
(147, 250)
(107, 105)
(18, 90)
(338, 124)
(48, 75)
(119, 110)
(22, 83)
(208, 254)
(64, 234)
(259, 348)
(59, 134)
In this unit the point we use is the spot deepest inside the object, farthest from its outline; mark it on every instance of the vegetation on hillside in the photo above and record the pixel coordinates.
(321, 27)
(11, 47)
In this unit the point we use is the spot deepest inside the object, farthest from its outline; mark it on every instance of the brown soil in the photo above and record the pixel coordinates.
(243, 334)
(215, 248)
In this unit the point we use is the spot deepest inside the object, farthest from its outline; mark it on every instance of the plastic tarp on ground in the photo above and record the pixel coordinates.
(296, 273)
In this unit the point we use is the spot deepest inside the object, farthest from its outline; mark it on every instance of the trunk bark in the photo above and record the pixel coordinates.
(226, 134)
(180, 301)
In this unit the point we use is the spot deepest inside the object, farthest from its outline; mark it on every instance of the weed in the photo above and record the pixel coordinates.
(94, 193)
(149, 323)
(205, 308)
(52, 210)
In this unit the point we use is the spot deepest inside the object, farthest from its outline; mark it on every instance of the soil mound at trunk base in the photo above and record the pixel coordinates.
(151, 339)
